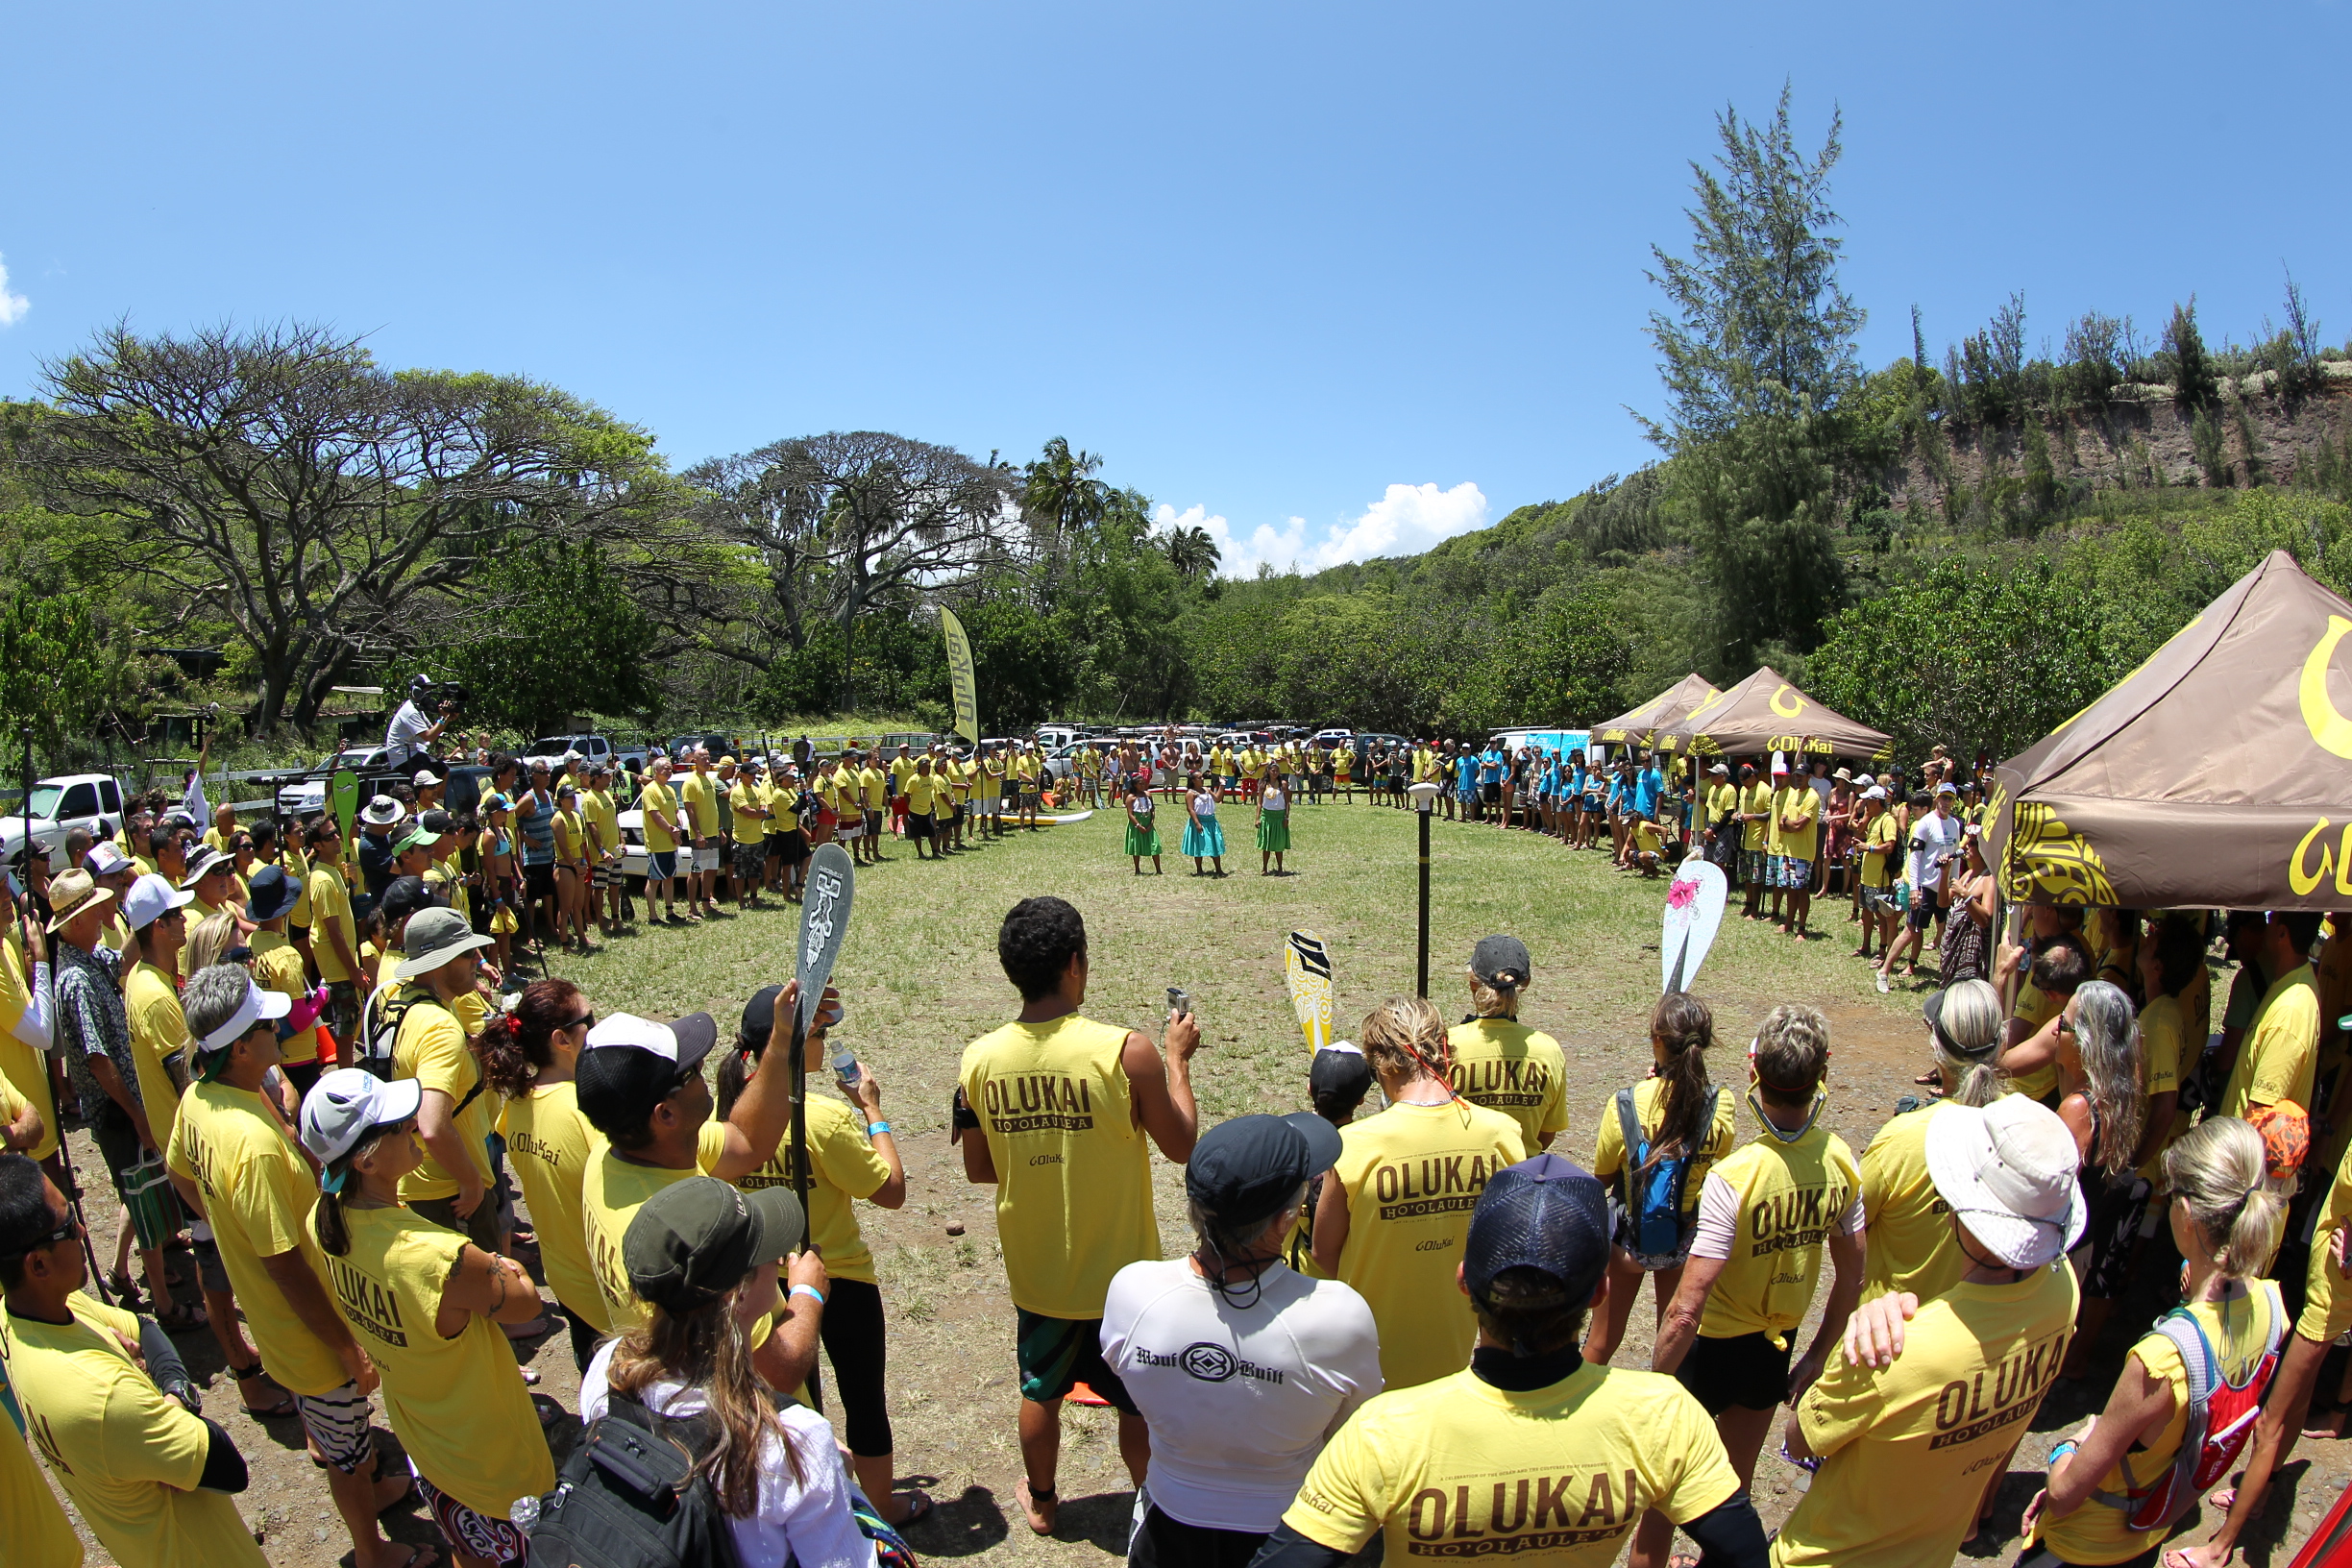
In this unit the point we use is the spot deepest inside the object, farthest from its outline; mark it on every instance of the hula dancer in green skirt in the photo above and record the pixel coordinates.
(1273, 825)
(1142, 832)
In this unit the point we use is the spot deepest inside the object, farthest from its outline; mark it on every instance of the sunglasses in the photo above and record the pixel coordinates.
(585, 1018)
(67, 1231)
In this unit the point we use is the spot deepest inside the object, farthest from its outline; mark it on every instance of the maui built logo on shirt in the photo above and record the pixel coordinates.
(1209, 1363)
(1038, 1102)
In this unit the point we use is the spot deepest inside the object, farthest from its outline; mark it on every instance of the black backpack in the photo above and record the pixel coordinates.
(629, 1497)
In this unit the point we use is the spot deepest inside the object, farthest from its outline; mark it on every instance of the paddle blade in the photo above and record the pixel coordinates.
(824, 919)
(1694, 913)
(343, 790)
(1306, 968)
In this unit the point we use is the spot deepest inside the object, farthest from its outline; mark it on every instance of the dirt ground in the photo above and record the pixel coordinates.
(920, 978)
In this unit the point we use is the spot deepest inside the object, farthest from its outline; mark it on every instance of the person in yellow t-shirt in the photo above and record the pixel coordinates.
(233, 1161)
(747, 804)
(1532, 1453)
(605, 848)
(1904, 1460)
(40, 1535)
(926, 801)
(528, 1058)
(853, 1156)
(153, 1481)
(699, 803)
(1755, 815)
(454, 1186)
(1500, 1063)
(431, 1305)
(1875, 832)
(1764, 1216)
(1390, 1222)
(2227, 1223)
(873, 799)
(1912, 1244)
(1677, 1114)
(2278, 1058)
(640, 1085)
(665, 829)
(24, 1016)
(2056, 965)
(1054, 1110)
(334, 935)
(1794, 840)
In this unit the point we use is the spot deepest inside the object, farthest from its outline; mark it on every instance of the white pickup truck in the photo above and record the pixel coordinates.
(592, 749)
(62, 805)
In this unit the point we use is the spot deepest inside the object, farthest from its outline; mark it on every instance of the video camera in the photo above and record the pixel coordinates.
(432, 696)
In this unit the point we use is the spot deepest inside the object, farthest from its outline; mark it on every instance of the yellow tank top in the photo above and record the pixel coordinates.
(1791, 1196)
(458, 1405)
(1073, 1170)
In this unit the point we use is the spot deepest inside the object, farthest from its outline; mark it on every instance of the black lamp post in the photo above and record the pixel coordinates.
(1424, 806)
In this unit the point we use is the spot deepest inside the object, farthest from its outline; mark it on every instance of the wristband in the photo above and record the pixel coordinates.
(876, 1128)
(809, 1290)
(2059, 1450)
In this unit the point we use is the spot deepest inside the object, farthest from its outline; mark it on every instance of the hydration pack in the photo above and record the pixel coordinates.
(1655, 1228)
(2221, 1416)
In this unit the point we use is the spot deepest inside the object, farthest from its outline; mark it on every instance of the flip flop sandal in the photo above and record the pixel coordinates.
(2223, 1498)
(180, 1318)
(919, 1507)
(284, 1407)
(126, 1291)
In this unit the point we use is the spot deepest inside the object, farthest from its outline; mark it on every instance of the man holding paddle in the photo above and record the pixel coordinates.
(1053, 1109)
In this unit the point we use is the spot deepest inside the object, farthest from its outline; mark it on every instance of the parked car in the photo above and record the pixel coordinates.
(551, 749)
(58, 806)
(721, 746)
(1055, 738)
(307, 797)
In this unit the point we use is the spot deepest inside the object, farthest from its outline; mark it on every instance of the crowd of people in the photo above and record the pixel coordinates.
(314, 1080)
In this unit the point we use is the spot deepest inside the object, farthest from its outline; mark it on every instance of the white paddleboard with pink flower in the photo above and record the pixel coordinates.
(1694, 902)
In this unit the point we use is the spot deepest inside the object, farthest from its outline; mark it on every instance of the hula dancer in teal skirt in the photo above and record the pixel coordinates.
(1273, 825)
(1142, 831)
(1204, 839)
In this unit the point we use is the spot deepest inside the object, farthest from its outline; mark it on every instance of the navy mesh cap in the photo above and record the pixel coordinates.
(1546, 1214)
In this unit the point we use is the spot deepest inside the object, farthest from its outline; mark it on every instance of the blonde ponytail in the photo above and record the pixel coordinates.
(2218, 1167)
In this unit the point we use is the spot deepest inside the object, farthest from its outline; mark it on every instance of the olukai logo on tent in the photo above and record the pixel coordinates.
(2320, 716)
(2305, 877)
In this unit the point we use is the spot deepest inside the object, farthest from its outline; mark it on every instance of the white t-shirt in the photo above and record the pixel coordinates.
(1241, 1400)
(401, 734)
(1938, 836)
(806, 1520)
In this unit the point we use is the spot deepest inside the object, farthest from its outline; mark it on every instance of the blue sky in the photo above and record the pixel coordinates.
(1335, 281)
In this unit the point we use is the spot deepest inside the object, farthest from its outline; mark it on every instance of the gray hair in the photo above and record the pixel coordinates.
(2107, 1034)
(1229, 1240)
(211, 997)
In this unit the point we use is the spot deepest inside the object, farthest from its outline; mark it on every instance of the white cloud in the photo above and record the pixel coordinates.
(1407, 520)
(12, 307)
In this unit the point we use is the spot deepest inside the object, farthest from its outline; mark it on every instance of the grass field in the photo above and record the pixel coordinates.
(920, 978)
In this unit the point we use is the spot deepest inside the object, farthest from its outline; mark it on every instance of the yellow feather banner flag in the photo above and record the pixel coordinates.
(960, 677)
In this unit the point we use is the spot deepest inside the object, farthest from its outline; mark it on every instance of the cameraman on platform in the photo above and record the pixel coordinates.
(409, 736)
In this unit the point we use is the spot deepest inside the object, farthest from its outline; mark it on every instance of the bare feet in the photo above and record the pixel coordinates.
(1041, 1514)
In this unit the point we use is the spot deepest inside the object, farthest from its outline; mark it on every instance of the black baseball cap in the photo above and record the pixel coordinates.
(271, 894)
(1547, 1214)
(759, 1015)
(694, 1241)
(1245, 1169)
(1502, 961)
(1340, 1075)
(631, 1064)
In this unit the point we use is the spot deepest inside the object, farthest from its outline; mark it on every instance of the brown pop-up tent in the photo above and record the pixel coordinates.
(1765, 713)
(1669, 705)
(2219, 773)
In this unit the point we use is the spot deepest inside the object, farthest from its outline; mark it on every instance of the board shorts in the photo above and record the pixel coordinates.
(992, 805)
(794, 846)
(1792, 873)
(492, 1541)
(1057, 1353)
(539, 880)
(706, 857)
(919, 825)
(1878, 900)
(337, 1422)
(343, 1011)
(604, 874)
(139, 1178)
(1743, 1369)
(750, 860)
(850, 824)
(1752, 866)
(661, 865)
(1925, 905)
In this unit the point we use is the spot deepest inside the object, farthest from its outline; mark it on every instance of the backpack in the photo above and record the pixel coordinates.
(1653, 1227)
(2221, 1420)
(629, 1497)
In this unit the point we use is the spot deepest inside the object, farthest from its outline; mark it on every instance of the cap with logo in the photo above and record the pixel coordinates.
(258, 1006)
(105, 859)
(631, 1064)
(694, 1241)
(204, 863)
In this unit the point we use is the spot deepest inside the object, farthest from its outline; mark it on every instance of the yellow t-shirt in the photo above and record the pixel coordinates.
(40, 1535)
(1552, 1478)
(277, 966)
(128, 1455)
(331, 910)
(901, 768)
(549, 1145)
(1803, 840)
(1506, 1066)
(611, 1192)
(432, 1048)
(660, 807)
(781, 800)
(1722, 804)
(1793, 1196)
(25, 1069)
(458, 1405)
(1878, 851)
(846, 1167)
(158, 1029)
(2036, 1007)
(991, 779)
(605, 817)
(1073, 1170)
(1609, 1144)
(1411, 1176)
(1756, 797)
(749, 829)
(2281, 1050)
(258, 1192)
(698, 793)
(1906, 1448)
(1912, 1247)
(2161, 1042)
(923, 793)
(2237, 1328)
(874, 787)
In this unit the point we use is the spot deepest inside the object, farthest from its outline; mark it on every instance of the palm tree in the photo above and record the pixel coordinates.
(1060, 498)
(1191, 552)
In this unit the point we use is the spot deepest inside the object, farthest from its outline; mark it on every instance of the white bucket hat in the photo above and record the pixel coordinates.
(2007, 1171)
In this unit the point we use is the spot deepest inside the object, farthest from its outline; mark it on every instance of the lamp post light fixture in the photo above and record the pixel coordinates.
(1424, 806)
